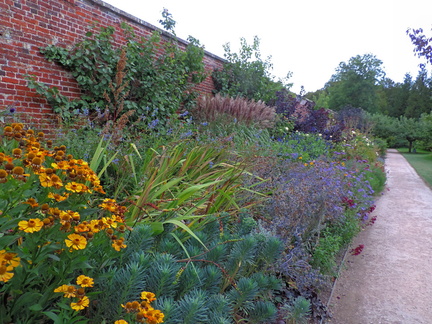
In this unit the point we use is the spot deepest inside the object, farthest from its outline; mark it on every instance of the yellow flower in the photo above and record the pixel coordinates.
(77, 187)
(85, 281)
(122, 321)
(31, 226)
(80, 228)
(155, 316)
(148, 296)
(62, 165)
(50, 180)
(4, 274)
(9, 258)
(109, 204)
(97, 225)
(118, 244)
(58, 197)
(76, 241)
(110, 222)
(69, 291)
(81, 303)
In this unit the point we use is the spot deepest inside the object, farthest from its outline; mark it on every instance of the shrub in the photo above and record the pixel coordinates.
(246, 75)
(144, 73)
(231, 279)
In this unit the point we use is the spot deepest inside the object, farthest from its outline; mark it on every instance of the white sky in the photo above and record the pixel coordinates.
(307, 37)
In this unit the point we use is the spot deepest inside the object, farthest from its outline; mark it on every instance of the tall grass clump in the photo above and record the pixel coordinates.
(210, 109)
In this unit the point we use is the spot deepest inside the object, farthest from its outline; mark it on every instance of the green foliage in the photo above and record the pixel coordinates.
(331, 241)
(355, 83)
(153, 72)
(246, 75)
(182, 184)
(376, 178)
(192, 284)
(420, 98)
(298, 312)
(325, 252)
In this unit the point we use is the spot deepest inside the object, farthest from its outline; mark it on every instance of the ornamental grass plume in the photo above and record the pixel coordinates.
(247, 111)
(53, 221)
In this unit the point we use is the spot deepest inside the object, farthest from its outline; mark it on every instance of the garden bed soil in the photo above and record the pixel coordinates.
(389, 281)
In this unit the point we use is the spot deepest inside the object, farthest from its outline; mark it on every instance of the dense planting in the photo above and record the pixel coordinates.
(144, 210)
(225, 213)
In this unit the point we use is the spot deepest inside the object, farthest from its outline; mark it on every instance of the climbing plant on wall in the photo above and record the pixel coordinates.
(151, 76)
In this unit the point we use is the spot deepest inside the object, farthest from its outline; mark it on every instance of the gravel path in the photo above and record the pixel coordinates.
(391, 280)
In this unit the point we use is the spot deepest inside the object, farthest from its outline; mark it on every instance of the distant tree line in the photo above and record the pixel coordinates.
(398, 112)
(361, 82)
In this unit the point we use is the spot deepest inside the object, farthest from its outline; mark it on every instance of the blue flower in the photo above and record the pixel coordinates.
(154, 123)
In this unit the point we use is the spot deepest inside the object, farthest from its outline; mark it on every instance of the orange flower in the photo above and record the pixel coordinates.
(69, 291)
(148, 296)
(122, 321)
(9, 258)
(85, 281)
(155, 316)
(4, 274)
(32, 202)
(77, 187)
(131, 307)
(50, 180)
(76, 241)
(118, 244)
(81, 303)
(58, 197)
(80, 228)
(109, 204)
(110, 222)
(31, 226)
(97, 225)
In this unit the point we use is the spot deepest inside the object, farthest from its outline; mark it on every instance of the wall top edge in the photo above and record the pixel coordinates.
(139, 21)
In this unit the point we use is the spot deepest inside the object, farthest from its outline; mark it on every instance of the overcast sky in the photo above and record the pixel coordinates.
(306, 37)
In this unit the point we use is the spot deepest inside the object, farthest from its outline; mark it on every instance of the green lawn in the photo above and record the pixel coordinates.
(421, 162)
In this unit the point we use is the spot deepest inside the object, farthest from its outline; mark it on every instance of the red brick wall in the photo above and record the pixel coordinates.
(28, 25)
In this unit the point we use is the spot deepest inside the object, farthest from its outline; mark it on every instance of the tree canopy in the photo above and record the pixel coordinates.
(355, 83)
(247, 75)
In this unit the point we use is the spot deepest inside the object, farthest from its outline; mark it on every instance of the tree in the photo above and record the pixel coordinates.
(420, 96)
(426, 120)
(320, 97)
(245, 74)
(386, 128)
(356, 83)
(412, 130)
(396, 96)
